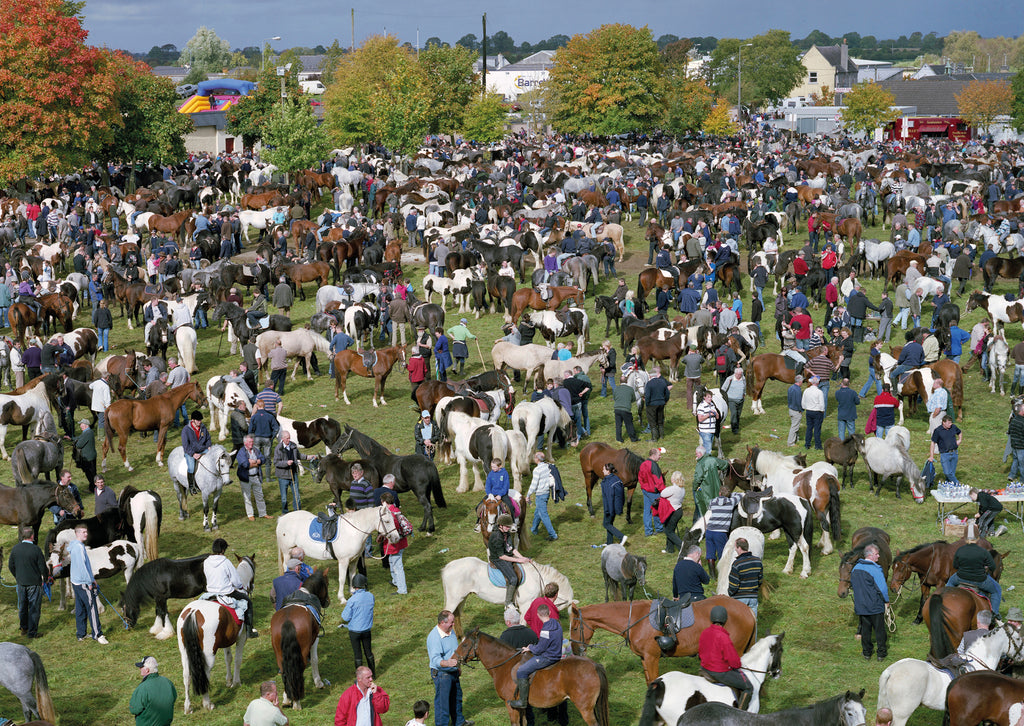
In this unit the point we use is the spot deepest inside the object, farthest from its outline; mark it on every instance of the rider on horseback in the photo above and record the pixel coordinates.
(224, 585)
(718, 657)
(503, 556)
(195, 439)
(27, 295)
(546, 652)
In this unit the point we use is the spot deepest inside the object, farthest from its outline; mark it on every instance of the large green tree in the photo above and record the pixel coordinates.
(206, 51)
(450, 82)
(1017, 112)
(485, 119)
(868, 106)
(248, 118)
(981, 102)
(292, 138)
(609, 81)
(401, 108)
(690, 102)
(771, 68)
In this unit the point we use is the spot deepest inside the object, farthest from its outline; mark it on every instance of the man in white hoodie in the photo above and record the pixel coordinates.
(223, 582)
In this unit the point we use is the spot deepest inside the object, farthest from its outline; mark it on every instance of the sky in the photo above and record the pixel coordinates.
(140, 24)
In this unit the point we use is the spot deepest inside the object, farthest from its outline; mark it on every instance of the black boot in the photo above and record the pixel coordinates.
(744, 700)
(510, 595)
(247, 623)
(192, 487)
(371, 663)
(522, 694)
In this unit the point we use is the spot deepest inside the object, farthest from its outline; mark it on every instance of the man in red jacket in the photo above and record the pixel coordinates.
(364, 689)
(799, 268)
(802, 327)
(417, 367)
(718, 656)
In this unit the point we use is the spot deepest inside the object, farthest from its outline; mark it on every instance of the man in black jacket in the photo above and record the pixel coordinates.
(29, 568)
(656, 395)
(858, 307)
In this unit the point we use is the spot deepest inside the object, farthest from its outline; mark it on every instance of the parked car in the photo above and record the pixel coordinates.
(186, 89)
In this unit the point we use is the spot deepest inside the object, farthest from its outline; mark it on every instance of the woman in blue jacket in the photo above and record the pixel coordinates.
(613, 497)
(444, 358)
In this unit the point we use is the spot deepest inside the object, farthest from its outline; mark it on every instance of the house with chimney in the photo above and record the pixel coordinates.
(830, 66)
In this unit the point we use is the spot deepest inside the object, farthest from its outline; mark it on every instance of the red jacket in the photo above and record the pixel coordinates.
(394, 549)
(806, 326)
(532, 619)
(648, 481)
(716, 651)
(799, 266)
(831, 294)
(417, 367)
(345, 715)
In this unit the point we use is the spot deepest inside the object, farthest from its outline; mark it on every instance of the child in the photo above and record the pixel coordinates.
(420, 710)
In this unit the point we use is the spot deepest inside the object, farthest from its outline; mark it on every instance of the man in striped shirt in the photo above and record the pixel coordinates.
(745, 576)
(822, 367)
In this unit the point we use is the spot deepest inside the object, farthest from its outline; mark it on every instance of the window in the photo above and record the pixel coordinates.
(812, 77)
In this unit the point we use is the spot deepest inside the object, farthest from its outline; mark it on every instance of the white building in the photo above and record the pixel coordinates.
(512, 80)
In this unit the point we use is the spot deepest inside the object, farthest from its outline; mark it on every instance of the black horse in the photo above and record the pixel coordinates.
(338, 474)
(160, 580)
(240, 322)
(159, 338)
(610, 307)
(412, 472)
(846, 708)
(103, 529)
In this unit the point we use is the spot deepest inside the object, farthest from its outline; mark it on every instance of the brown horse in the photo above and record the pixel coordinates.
(849, 228)
(579, 679)
(303, 272)
(131, 295)
(123, 370)
(527, 297)
(997, 267)
(630, 620)
(897, 265)
(772, 366)
(486, 514)
(949, 613)
(294, 630)
(595, 455)
(933, 563)
(54, 306)
(651, 278)
(347, 361)
(861, 539)
(670, 349)
(170, 225)
(26, 505)
(153, 414)
(981, 697)
(431, 391)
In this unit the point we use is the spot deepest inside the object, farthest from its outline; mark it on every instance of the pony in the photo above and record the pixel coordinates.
(297, 344)
(468, 576)
(353, 529)
(629, 620)
(213, 473)
(206, 626)
(527, 297)
(844, 453)
(187, 342)
(295, 633)
(26, 505)
(223, 397)
(998, 354)
(106, 561)
(862, 538)
(593, 458)
(580, 680)
(487, 514)
(999, 311)
(884, 460)
(154, 414)
(239, 322)
(980, 697)
(670, 695)
(473, 441)
(773, 366)
(846, 709)
(143, 512)
(22, 673)
(347, 361)
(949, 613)
(542, 418)
(529, 358)
(23, 410)
(160, 580)
(38, 456)
(622, 571)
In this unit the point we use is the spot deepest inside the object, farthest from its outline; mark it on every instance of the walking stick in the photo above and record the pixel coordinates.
(481, 354)
(220, 341)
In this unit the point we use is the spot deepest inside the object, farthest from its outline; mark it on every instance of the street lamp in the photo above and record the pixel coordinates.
(739, 79)
(263, 50)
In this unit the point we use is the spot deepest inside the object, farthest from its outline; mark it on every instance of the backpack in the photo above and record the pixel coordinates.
(402, 524)
(721, 361)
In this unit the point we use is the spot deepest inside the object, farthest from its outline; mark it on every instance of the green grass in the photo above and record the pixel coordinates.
(92, 684)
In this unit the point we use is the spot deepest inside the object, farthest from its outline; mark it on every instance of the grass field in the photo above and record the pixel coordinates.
(92, 684)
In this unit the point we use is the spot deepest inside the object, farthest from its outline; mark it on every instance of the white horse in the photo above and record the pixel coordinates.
(541, 418)
(29, 407)
(928, 285)
(221, 406)
(553, 369)
(885, 459)
(459, 286)
(876, 252)
(669, 695)
(530, 358)
(333, 293)
(187, 341)
(258, 220)
(213, 473)
(998, 354)
(468, 576)
(910, 683)
(142, 508)
(300, 343)
(473, 441)
(353, 530)
(519, 457)
(755, 540)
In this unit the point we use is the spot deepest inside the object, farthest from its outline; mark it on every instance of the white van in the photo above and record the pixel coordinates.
(314, 88)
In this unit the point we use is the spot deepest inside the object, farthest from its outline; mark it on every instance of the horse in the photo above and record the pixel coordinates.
(338, 474)
(542, 418)
(622, 571)
(909, 683)
(527, 297)
(629, 620)
(23, 409)
(467, 576)
(26, 505)
(884, 460)
(303, 272)
(223, 398)
(982, 697)
(206, 626)
(580, 680)
(353, 529)
(105, 560)
(239, 321)
(487, 514)
(384, 359)
(772, 366)
(474, 441)
(143, 512)
(862, 538)
(593, 458)
(844, 453)
(295, 634)
(999, 311)
(55, 306)
(412, 472)
(949, 613)
(158, 338)
(998, 355)
(846, 709)
(529, 358)
(300, 343)
(22, 673)
(673, 693)
(933, 563)
(38, 456)
(154, 414)
(755, 546)
(213, 473)
(160, 580)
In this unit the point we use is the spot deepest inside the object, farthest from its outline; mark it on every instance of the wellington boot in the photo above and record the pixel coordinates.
(522, 699)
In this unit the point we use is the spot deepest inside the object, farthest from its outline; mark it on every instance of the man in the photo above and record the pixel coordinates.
(445, 672)
(718, 656)
(692, 363)
(688, 577)
(719, 524)
(858, 305)
(912, 356)
(196, 441)
(946, 440)
(60, 514)
(270, 399)
(152, 701)
(974, 566)
(847, 400)
(106, 499)
(745, 576)
(623, 399)
(546, 652)
(652, 482)
(278, 357)
(735, 391)
(250, 461)
(938, 401)
(822, 367)
(656, 396)
(988, 508)
(28, 566)
(608, 371)
(284, 585)
(100, 398)
(707, 421)
(794, 402)
(870, 601)
(885, 315)
(263, 427)
(177, 376)
(363, 702)
(84, 454)
(813, 402)
(930, 347)
(263, 711)
(984, 618)
(223, 582)
(707, 480)
(284, 298)
(83, 584)
(286, 468)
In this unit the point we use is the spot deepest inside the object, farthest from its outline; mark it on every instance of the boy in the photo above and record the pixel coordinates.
(988, 508)
(420, 711)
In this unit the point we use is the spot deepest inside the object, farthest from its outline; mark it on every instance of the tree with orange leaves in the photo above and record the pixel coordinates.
(980, 102)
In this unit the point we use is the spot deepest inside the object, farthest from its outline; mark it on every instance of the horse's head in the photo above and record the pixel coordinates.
(247, 570)
(386, 524)
(901, 571)
(317, 584)
(467, 650)
(344, 442)
(846, 563)
(999, 558)
(66, 500)
(640, 570)
(851, 709)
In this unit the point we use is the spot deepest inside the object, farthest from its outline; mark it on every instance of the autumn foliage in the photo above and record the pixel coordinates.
(980, 102)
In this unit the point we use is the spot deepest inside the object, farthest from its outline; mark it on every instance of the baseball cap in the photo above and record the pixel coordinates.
(291, 563)
(464, 321)
(147, 662)
(424, 413)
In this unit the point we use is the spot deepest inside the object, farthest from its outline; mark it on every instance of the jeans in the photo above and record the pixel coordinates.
(867, 384)
(85, 611)
(540, 515)
(949, 461)
(881, 431)
(1017, 464)
(285, 485)
(847, 428)
(672, 540)
(607, 381)
(652, 524)
(707, 439)
(1018, 376)
(200, 320)
(614, 535)
(30, 597)
(577, 419)
(814, 419)
(104, 338)
(277, 376)
(254, 489)
(901, 318)
(183, 413)
(735, 409)
(397, 568)
(824, 384)
(802, 344)
(447, 699)
(990, 586)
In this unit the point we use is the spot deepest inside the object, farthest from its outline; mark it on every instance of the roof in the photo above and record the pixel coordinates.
(312, 63)
(833, 54)
(933, 96)
(539, 61)
(167, 71)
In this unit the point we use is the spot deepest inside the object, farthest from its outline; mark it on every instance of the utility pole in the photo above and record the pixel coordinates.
(352, 48)
(483, 73)
(417, 43)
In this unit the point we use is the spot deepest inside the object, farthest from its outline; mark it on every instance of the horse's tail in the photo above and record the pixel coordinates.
(940, 645)
(435, 487)
(292, 663)
(601, 707)
(151, 526)
(835, 514)
(653, 699)
(19, 468)
(639, 296)
(957, 392)
(42, 688)
(194, 654)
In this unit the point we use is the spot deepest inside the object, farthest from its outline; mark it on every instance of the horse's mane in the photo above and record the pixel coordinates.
(550, 574)
(917, 548)
(633, 462)
(379, 448)
(126, 494)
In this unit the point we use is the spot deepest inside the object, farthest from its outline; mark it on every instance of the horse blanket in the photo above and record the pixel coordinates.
(498, 580)
(307, 600)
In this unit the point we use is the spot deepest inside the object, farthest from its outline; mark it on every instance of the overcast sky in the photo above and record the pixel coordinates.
(140, 24)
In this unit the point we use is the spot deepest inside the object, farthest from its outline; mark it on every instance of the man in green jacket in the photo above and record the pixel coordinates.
(85, 452)
(153, 700)
(707, 480)
(459, 335)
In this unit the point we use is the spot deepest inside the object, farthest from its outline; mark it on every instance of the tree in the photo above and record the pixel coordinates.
(451, 82)
(332, 56)
(401, 108)
(206, 51)
(468, 41)
(195, 75)
(676, 55)
(666, 39)
(718, 122)
(961, 46)
(689, 103)
(292, 139)
(58, 104)
(249, 117)
(980, 102)
(868, 106)
(771, 68)
(434, 40)
(501, 42)
(826, 97)
(1017, 112)
(607, 82)
(485, 119)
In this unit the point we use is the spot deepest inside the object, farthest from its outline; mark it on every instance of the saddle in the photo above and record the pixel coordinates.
(795, 361)
(669, 616)
(307, 600)
(977, 592)
(750, 502)
(954, 664)
(498, 580)
(230, 610)
(264, 322)
(154, 289)
(369, 359)
(324, 529)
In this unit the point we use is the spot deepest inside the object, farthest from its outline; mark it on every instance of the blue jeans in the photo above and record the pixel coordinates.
(715, 544)
(540, 515)
(847, 428)
(814, 419)
(184, 416)
(707, 440)
(901, 318)
(881, 431)
(990, 586)
(949, 461)
(285, 485)
(1018, 376)
(534, 664)
(652, 524)
(447, 699)
(86, 613)
(824, 384)
(1017, 464)
(607, 381)
(867, 384)
(614, 534)
(3, 316)
(397, 568)
(104, 338)
(200, 320)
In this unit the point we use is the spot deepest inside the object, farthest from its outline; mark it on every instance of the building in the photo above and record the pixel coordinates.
(518, 78)
(494, 63)
(175, 74)
(210, 134)
(312, 67)
(935, 95)
(830, 66)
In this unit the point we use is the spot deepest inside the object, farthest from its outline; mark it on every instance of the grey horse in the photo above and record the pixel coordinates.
(213, 473)
(20, 669)
(622, 571)
(39, 456)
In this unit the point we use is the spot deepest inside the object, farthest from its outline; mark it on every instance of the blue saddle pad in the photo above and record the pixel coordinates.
(498, 579)
(316, 532)
(265, 322)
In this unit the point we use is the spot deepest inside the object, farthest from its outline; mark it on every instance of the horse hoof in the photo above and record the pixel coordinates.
(181, 517)
(206, 528)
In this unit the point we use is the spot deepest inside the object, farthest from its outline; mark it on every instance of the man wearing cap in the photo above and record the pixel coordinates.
(284, 585)
(152, 701)
(425, 435)
(974, 566)
(870, 601)
(718, 656)
(984, 618)
(459, 334)
(284, 298)
(84, 454)
(195, 439)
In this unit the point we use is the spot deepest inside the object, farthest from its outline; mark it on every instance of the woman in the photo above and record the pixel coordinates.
(444, 358)
(358, 613)
(613, 498)
(670, 511)
(541, 486)
(846, 343)
(628, 308)
(393, 551)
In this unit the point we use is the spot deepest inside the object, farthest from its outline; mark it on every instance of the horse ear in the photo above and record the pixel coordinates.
(1004, 555)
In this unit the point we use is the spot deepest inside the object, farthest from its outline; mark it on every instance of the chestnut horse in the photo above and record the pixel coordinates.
(347, 361)
(772, 366)
(949, 613)
(849, 228)
(154, 414)
(670, 349)
(123, 370)
(171, 225)
(294, 631)
(303, 272)
(629, 620)
(54, 305)
(131, 295)
(981, 697)
(595, 455)
(527, 297)
(861, 539)
(581, 680)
